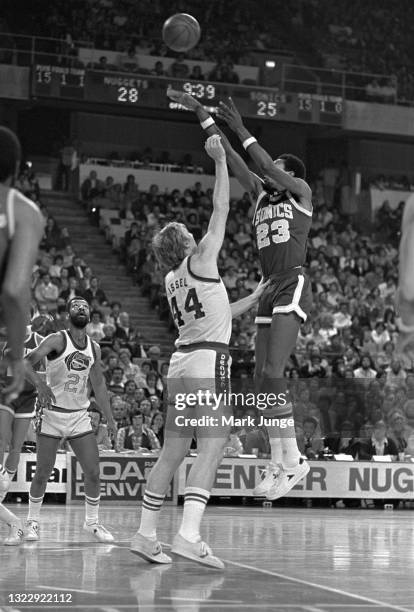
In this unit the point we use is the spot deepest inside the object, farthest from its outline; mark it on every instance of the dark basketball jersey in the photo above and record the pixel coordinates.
(32, 341)
(281, 227)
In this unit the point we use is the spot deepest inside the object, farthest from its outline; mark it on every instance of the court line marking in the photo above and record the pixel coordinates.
(319, 586)
(66, 589)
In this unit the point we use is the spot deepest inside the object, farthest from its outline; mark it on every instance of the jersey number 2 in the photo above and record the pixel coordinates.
(279, 231)
(191, 304)
(72, 385)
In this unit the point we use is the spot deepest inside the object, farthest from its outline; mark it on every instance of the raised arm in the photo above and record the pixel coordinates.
(241, 306)
(204, 259)
(230, 114)
(249, 181)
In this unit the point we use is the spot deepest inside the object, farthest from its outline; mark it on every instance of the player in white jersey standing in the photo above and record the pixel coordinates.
(72, 360)
(21, 229)
(200, 364)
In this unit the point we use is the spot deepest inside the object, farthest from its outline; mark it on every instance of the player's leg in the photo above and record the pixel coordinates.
(19, 431)
(145, 542)
(210, 446)
(282, 340)
(86, 451)
(406, 259)
(46, 450)
(15, 536)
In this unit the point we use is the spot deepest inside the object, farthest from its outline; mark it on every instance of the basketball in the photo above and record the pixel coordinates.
(181, 32)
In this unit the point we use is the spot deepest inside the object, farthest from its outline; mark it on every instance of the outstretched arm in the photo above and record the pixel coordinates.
(238, 166)
(260, 156)
(241, 306)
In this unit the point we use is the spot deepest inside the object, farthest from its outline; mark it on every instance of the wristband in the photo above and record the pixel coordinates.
(249, 141)
(207, 122)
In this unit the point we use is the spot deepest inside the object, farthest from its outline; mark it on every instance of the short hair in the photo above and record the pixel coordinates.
(169, 246)
(76, 298)
(10, 153)
(294, 164)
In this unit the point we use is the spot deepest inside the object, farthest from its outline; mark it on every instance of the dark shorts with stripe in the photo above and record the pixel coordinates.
(23, 407)
(287, 292)
(198, 385)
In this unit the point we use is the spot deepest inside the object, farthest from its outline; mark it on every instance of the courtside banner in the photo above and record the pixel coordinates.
(123, 478)
(335, 479)
(26, 470)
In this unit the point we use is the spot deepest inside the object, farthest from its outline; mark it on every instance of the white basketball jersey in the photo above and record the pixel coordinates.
(200, 306)
(68, 374)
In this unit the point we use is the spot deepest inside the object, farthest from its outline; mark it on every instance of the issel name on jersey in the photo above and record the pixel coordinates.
(200, 306)
(281, 227)
(68, 373)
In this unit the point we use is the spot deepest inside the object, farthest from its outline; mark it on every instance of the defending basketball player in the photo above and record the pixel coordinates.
(21, 229)
(201, 362)
(72, 361)
(405, 292)
(282, 219)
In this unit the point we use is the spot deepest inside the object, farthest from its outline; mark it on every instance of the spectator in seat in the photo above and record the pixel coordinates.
(94, 328)
(72, 291)
(157, 426)
(342, 318)
(91, 187)
(123, 331)
(108, 337)
(196, 74)
(380, 335)
(52, 235)
(344, 442)
(56, 268)
(95, 292)
(179, 69)
(100, 431)
(401, 433)
(137, 436)
(366, 370)
(158, 69)
(77, 269)
(395, 374)
(310, 444)
(47, 293)
(152, 386)
(119, 411)
(130, 62)
(379, 444)
(116, 383)
(130, 369)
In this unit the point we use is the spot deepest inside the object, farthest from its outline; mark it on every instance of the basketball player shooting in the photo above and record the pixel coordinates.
(282, 217)
(72, 361)
(21, 229)
(200, 307)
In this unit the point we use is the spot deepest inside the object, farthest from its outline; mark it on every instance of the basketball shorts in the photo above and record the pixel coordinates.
(198, 387)
(59, 423)
(24, 407)
(287, 292)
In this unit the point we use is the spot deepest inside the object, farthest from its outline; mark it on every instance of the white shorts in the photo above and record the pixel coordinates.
(66, 424)
(203, 367)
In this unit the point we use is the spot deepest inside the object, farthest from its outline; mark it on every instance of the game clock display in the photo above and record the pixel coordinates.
(134, 90)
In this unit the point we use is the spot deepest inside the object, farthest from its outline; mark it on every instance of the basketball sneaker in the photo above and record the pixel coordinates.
(195, 551)
(99, 532)
(15, 537)
(31, 531)
(271, 476)
(287, 479)
(148, 549)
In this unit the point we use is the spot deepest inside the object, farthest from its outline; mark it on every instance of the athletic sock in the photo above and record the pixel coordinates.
(91, 509)
(35, 504)
(151, 507)
(4, 482)
(290, 449)
(276, 450)
(195, 501)
(8, 517)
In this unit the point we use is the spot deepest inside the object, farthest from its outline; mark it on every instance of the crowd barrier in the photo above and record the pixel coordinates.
(123, 478)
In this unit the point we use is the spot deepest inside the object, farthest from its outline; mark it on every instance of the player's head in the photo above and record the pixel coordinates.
(172, 244)
(291, 164)
(10, 154)
(79, 313)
